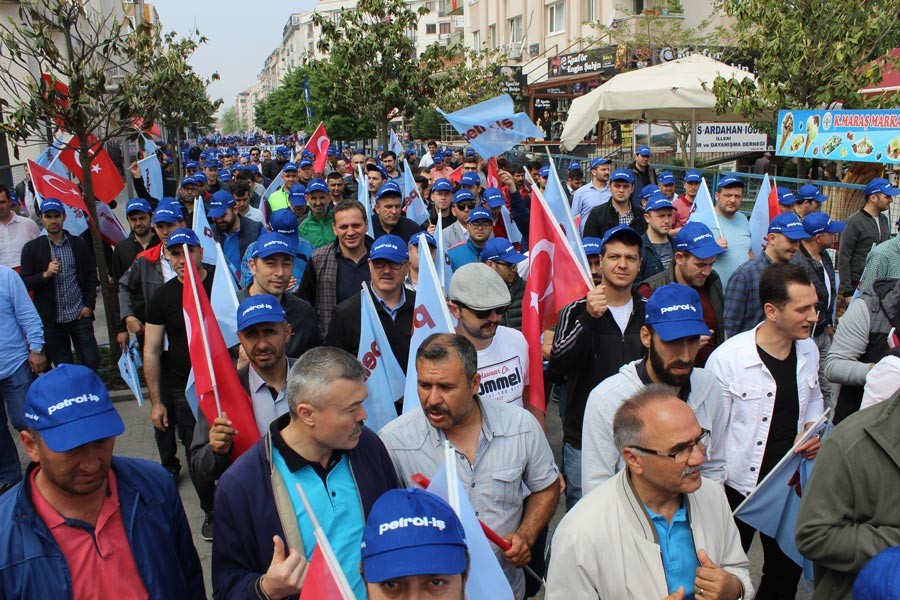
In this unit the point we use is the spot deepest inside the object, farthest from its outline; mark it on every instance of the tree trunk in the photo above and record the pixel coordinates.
(106, 288)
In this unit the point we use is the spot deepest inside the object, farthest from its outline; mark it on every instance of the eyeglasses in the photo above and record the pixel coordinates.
(481, 224)
(484, 314)
(381, 263)
(683, 453)
(465, 205)
(501, 263)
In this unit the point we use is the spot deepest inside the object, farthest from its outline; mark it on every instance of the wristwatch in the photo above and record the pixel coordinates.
(37, 350)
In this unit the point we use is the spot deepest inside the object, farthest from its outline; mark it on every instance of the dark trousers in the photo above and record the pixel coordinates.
(182, 420)
(60, 337)
(538, 564)
(780, 574)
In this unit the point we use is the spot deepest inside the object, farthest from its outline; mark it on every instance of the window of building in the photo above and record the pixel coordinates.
(476, 40)
(430, 5)
(430, 28)
(445, 28)
(492, 36)
(590, 10)
(515, 29)
(556, 18)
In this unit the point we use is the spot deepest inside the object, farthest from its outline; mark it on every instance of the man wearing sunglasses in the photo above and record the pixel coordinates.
(673, 326)
(463, 202)
(657, 527)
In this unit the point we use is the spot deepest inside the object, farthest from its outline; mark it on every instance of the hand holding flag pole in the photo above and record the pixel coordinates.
(189, 274)
(340, 579)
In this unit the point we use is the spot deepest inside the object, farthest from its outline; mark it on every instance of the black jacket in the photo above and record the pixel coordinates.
(345, 327)
(640, 180)
(405, 228)
(302, 316)
(604, 217)
(817, 273)
(247, 234)
(36, 258)
(651, 264)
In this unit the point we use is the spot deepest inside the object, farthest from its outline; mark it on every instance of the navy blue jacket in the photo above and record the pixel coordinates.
(650, 261)
(248, 233)
(246, 516)
(33, 566)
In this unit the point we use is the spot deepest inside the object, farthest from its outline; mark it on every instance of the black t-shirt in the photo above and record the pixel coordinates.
(165, 309)
(786, 412)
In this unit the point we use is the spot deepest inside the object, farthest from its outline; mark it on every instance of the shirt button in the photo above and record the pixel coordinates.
(765, 419)
(752, 468)
(769, 394)
(477, 513)
(473, 484)
(744, 395)
(759, 443)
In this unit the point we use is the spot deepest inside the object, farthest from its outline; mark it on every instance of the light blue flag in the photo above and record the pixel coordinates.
(492, 127)
(223, 299)
(129, 363)
(429, 316)
(703, 210)
(412, 199)
(442, 259)
(149, 146)
(48, 160)
(384, 376)
(151, 173)
(512, 230)
(559, 207)
(395, 146)
(204, 231)
(760, 217)
(190, 394)
(363, 194)
(772, 507)
(486, 578)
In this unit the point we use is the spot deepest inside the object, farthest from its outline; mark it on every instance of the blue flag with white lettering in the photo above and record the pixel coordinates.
(492, 127)
(703, 210)
(384, 376)
(412, 199)
(204, 231)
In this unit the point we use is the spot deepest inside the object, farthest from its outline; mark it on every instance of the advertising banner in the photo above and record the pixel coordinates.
(857, 135)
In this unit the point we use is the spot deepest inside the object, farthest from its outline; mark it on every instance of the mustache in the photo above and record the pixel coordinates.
(690, 471)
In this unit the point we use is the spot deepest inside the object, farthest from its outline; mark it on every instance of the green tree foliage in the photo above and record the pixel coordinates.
(426, 124)
(231, 123)
(810, 53)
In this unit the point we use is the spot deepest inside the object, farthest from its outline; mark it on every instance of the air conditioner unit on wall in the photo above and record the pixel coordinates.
(515, 50)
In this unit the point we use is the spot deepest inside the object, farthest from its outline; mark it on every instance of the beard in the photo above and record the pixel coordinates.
(664, 376)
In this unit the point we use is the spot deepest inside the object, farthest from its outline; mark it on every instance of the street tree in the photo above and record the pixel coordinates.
(101, 61)
(231, 122)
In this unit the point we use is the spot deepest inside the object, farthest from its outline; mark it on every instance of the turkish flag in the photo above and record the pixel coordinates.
(455, 175)
(318, 144)
(60, 93)
(320, 583)
(153, 129)
(107, 181)
(555, 279)
(50, 185)
(774, 209)
(214, 373)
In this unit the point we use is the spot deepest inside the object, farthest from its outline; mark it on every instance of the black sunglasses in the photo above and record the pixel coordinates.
(465, 205)
(484, 314)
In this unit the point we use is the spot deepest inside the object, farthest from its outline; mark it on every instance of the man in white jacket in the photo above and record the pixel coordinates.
(657, 529)
(673, 333)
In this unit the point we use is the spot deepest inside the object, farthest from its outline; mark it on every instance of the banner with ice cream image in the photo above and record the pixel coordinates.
(856, 135)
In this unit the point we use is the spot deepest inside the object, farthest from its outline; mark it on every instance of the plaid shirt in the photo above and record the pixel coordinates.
(742, 311)
(627, 218)
(68, 292)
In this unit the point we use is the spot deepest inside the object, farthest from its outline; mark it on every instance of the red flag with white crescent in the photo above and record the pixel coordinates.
(318, 144)
(107, 181)
(50, 185)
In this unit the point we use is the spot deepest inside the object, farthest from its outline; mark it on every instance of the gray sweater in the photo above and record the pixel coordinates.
(856, 242)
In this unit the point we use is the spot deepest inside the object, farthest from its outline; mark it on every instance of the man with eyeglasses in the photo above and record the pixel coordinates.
(672, 332)
(770, 378)
(457, 233)
(254, 158)
(479, 226)
(388, 268)
(658, 526)
(500, 255)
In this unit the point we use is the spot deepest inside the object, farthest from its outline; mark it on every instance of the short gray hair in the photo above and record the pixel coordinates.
(628, 425)
(313, 374)
(438, 346)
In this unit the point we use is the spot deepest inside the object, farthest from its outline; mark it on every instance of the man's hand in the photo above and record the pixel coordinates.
(431, 229)
(810, 447)
(85, 313)
(596, 301)
(38, 362)
(122, 338)
(713, 582)
(508, 180)
(286, 574)
(159, 416)
(52, 269)
(134, 325)
(135, 169)
(221, 435)
(519, 553)
(722, 242)
(676, 595)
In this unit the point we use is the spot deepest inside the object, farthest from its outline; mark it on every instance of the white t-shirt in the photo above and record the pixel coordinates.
(622, 314)
(503, 367)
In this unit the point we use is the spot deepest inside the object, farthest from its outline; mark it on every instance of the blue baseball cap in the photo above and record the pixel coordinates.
(693, 176)
(389, 247)
(438, 157)
(665, 178)
(643, 150)
(212, 164)
(297, 195)
(412, 532)
(599, 161)
(379, 168)
(591, 245)
(252, 168)
(461, 195)
(70, 407)
(410, 152)
(619, 232)
(789, 225)
(729, 180)
(261, 308)
(500, 249)
(220, 202)
(389, 188)
(305, 162)
(819, 222)
(675, 312)
(188, 181)
(470, 178)
(657, 201)
(182, 235)
(200, 178)
(879, 579)
(494, 198)
(648, 190)
(191, 165)
(470, 152)
(575, 166)
(881, 186)
(697, 239)
(442, 185)
(167, 213)
(785, 196)
(480, 213)
(225, 175)
(52, 205)
(272, 242)
(622, 175)
(13, 198)
(289, 167)
(429, 239)
(284, 221)
(137, 205)
(810, 191)
(544, 172)
(316, 185)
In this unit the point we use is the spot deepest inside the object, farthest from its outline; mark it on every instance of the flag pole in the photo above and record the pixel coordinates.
(581, 256)
(337, 572)
(715, 216)
(203, 336)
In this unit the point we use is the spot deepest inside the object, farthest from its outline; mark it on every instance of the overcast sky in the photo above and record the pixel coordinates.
(241, 36)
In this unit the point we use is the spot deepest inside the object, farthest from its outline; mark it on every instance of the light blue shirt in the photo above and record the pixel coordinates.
(392, 312)
(20, 327)
(676, 544)
(737, 232)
